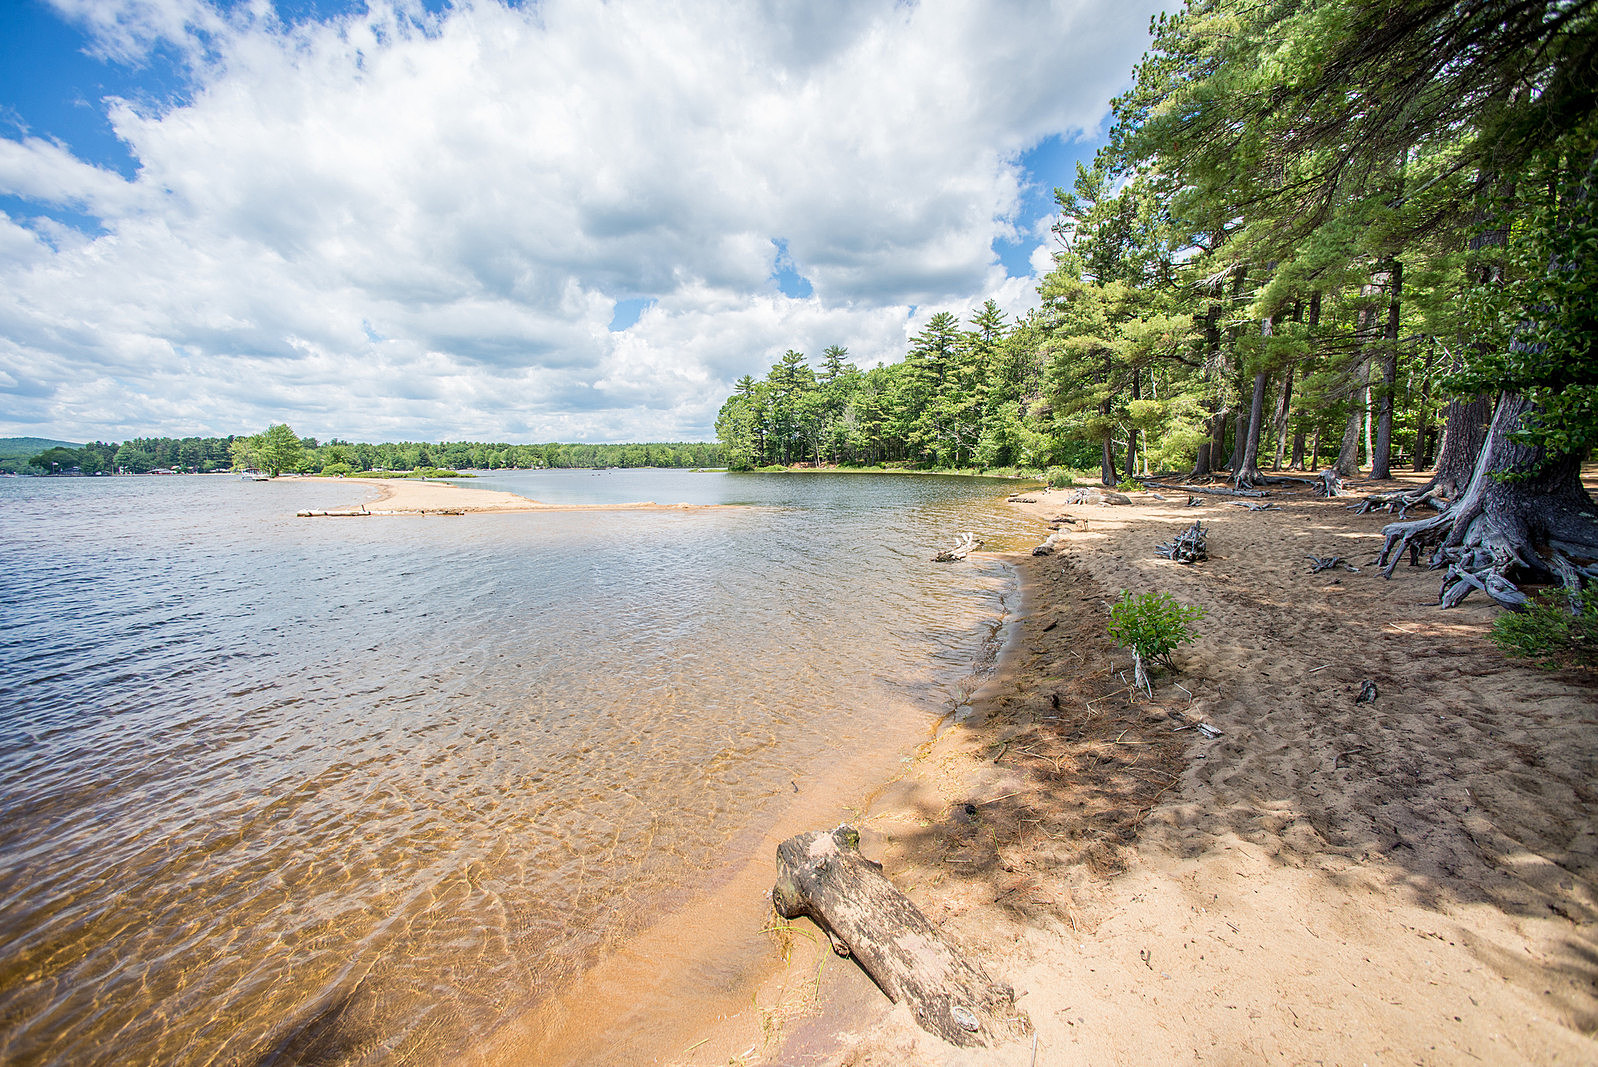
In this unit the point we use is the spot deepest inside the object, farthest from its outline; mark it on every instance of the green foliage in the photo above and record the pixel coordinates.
(1541, 324)
(279, 449)
(1548, 632)
(1060, 478)
(1153, 624)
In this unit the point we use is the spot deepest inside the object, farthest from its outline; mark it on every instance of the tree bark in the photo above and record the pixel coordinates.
(1208, 450)
(1348, 457)
(1464, 434)
(1382, 453)
(1247, 474)
(1539, 524)
(1284, 404)
(1131, 434)
(823, 876)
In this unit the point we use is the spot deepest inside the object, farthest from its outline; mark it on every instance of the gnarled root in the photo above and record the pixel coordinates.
(1482, 545)
(1400, 501)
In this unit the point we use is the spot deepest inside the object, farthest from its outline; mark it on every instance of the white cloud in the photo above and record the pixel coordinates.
(394, 224)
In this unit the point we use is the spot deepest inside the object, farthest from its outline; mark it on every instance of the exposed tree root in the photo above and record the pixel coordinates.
(1402, 500)
(1537, 524)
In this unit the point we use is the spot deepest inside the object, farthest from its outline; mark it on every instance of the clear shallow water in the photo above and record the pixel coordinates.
(286, 790)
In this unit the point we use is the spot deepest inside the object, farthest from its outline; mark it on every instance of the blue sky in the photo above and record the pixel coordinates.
(572, 221)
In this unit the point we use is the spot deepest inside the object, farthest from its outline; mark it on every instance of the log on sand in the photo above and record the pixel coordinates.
(823, 876)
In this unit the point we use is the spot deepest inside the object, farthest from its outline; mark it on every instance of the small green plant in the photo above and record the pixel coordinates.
(1060, 478)
(1153, 624)
(1131, 485)
(1549, 633)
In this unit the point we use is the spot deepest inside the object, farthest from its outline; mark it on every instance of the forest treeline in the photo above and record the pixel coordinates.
(279, 450)
(1321, 234)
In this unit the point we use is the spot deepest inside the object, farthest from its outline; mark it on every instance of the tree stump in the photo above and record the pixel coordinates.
(823, 876)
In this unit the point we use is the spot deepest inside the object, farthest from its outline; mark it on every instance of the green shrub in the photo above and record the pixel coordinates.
(1060, 478)
(1547, 631)
(1153, 624)
(1131, 485)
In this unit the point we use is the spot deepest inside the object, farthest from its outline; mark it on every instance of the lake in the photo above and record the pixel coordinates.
(361, 791)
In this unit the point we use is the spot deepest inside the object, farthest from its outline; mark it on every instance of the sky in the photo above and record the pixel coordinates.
(568, 220)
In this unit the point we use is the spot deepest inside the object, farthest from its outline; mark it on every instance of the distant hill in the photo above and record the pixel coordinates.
(28, 447)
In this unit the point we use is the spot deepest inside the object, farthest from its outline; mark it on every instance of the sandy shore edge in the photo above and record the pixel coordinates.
(1411, 881)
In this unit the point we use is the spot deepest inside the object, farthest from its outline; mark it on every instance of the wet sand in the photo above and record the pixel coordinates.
(1414, 880)
(411, 496)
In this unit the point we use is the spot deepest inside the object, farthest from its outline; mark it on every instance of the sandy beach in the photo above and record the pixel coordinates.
(411, 496)
(1325, 881)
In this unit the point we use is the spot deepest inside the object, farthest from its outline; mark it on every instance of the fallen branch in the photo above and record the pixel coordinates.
(823, 876)
(1329, 563)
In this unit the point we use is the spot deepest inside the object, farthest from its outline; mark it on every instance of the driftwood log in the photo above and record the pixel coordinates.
(822, 875)
(1217, 491)
(964, 547)
(1330, 483)
(1190, 546)
(1102, 497)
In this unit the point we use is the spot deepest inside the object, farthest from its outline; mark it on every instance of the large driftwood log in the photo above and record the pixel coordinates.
(822, 875)
(1224, 492)
(1103, 497)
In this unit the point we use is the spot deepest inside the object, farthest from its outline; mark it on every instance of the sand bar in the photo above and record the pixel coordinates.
(1414, 880)
(411, 496)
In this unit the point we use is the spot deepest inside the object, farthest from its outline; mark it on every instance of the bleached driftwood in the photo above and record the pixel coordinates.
(964, 547)
(1102, 497)
(822, 875)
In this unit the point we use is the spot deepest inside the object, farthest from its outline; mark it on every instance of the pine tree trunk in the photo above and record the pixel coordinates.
(1209, 450)
(1539, 525)
(1348, 456)
(1382, 454)
(1464, 434)
(1279, 424)
(1247, 474)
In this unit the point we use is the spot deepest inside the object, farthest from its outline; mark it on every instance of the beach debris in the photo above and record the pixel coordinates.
(1329, 563)
(1063, 519)
(1400, 501)
(1367, 692)
(1255, 507)
(1195, 501)
(1208, 731)
(1049, 543)
(1102, 497)
(1217, 491)
(1190, 546)
(966, 545)
(1021, 498)
(822, 875)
